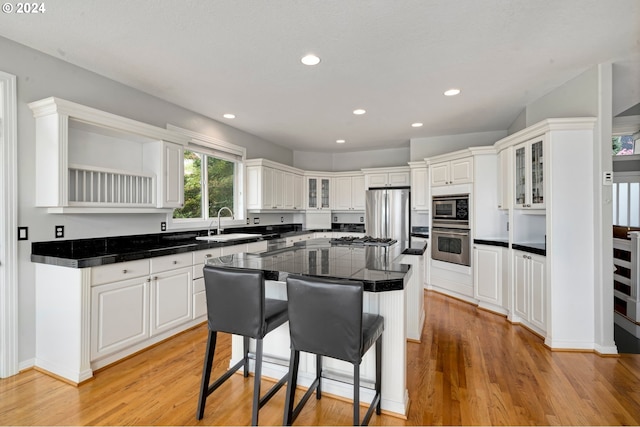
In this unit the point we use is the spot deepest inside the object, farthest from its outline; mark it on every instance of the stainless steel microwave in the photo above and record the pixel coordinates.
(453, 208)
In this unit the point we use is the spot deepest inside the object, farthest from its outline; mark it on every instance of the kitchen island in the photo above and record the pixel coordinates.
(386, 283)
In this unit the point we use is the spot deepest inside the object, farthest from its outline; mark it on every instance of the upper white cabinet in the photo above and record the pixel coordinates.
(419, 186)
(271, 186)
(458, 171)
(387, 177)
(318, 192)
(348, 193)
(529, 174)
(91, 161)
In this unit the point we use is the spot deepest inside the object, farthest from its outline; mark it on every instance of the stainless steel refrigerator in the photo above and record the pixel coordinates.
(388, 213)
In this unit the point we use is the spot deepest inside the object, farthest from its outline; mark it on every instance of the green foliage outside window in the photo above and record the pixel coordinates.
(220, 179)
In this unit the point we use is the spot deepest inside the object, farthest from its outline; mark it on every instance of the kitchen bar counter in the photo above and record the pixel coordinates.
(372, 265)
(391, 279)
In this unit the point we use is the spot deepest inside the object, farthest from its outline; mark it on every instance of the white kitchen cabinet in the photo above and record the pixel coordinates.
(348, 193)
(419, 188)
(271, 186)
(504, 178)
(458, 171)
(92, 161)
(119, 316)
(166, 160)
(318, 192)
(529, 290)
(171, 299)
(387, 177)
(488, 276)
(529, 192)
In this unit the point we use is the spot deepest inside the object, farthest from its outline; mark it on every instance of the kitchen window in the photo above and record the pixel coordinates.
(213, 178)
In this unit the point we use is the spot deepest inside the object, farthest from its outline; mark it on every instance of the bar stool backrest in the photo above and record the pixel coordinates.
(325, 316)
(235, 300)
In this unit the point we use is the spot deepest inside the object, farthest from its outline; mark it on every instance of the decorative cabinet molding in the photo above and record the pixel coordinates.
(88, 160)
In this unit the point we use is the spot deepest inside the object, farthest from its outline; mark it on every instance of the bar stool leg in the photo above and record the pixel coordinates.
(206, 373)
(379, 374)
(256, 383)
(291, 388)
(245, 349)
(319, 376)
(356, 394)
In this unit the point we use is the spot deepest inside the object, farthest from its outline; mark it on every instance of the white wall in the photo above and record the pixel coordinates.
(40, 76)
(422, 148)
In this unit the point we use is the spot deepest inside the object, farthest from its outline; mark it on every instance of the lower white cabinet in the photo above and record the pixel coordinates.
(171, 299)
(529, 290)
(487, 274)
(120, 315)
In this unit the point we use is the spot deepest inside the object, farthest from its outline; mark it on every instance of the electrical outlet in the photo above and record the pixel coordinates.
(248, 221)
(361, 219)
(59, 231)
(335, 219)
(256, 220)
(23, 233)
(163, 226)
(281, 219)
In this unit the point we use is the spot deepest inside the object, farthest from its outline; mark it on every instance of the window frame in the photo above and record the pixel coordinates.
(212, 147)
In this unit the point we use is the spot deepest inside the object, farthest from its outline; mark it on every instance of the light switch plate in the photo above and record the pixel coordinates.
(607, 178)
(59, 231)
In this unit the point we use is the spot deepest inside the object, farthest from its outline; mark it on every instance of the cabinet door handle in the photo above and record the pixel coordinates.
(124, 271)
(148, 279)
(155, 277)
(207, 256)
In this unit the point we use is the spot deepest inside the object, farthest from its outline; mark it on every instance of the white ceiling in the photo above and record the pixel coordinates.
(394, 58)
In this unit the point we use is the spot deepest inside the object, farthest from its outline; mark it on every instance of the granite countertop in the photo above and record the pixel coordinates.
(492, 241)
(539, 248)
(84, 253)
(372, 265)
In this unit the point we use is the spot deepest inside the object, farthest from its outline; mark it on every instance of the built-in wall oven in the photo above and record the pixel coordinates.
(450, 233)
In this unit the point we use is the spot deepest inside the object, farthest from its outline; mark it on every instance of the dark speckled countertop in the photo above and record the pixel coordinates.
(372, 265)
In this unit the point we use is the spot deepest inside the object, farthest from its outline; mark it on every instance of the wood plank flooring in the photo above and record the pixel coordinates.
(471, 368)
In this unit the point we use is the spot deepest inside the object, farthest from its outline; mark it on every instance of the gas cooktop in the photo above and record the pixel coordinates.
(366, 240)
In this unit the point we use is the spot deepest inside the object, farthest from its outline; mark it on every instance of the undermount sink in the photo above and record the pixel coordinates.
(228, 237)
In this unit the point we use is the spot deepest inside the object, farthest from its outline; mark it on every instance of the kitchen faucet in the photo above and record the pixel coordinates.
(220, 211)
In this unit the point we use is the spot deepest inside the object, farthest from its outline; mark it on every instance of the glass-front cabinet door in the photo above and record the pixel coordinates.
(537, 174)
(312, 193)
(529, 175)
(318, 194)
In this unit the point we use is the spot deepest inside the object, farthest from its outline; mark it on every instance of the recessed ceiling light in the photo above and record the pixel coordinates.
(416, 125)
(340, 141)
(359, 112)
(229, 116)
(452, 92)
(310, 60)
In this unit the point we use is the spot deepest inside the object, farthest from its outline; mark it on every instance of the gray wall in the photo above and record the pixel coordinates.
(422, 148)
(356, 160)
(40, 76)
(576, 98)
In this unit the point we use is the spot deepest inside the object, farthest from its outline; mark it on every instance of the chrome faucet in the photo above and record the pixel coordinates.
(219, 212)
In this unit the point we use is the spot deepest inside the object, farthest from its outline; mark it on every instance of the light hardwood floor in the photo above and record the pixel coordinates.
(471, 368)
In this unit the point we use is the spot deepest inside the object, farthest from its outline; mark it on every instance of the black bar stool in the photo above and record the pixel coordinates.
(236, 304)
(326, 318)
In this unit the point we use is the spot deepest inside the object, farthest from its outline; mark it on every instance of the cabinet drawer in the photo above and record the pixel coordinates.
(199, 305)
(120, 271)
(171, 262)
(198, 285)
(200, 257)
